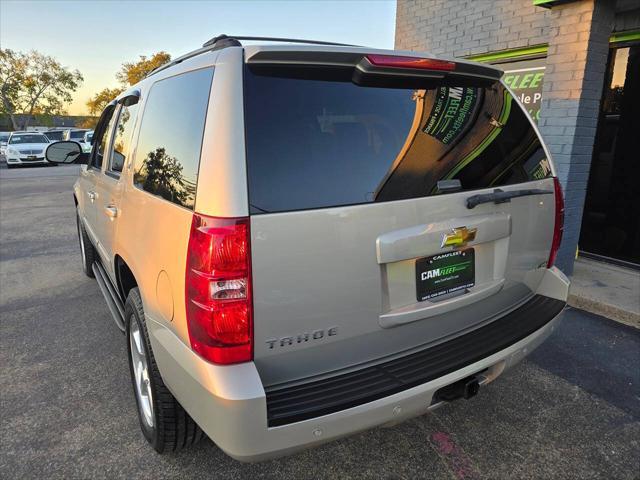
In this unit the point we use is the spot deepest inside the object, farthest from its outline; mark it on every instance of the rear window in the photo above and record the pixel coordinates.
(28, 138)
(77, 134)
(318, 144)
(57, 135)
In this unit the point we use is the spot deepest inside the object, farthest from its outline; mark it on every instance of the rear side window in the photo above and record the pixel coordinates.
(168, 148)
(317, 144)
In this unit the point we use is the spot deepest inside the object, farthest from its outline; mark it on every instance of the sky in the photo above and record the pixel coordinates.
(96, 37)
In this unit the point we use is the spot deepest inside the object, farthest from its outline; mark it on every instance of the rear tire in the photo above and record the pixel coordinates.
(163, 421)
(87, 252)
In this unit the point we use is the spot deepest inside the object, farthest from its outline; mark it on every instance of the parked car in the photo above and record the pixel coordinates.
(4, 138)
(26, 148)
(86, 141)
(75, 134)
(303, 242)
(55, 135)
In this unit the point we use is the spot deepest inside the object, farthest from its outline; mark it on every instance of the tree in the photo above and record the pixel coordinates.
(132, 72)
(88, 123)
(100, 100)
(33, 83)
(12, 68)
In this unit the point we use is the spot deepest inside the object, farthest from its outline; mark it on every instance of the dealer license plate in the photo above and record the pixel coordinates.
(445, 273)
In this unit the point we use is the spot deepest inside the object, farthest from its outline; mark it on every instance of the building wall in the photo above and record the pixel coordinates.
(461, 28)
(574, 79)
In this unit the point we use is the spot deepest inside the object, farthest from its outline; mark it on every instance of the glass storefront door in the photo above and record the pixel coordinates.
(611, 218)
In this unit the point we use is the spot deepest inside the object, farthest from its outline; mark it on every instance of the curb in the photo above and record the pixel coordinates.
(606, 310)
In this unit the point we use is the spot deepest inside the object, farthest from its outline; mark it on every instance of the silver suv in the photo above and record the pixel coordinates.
(306, 241)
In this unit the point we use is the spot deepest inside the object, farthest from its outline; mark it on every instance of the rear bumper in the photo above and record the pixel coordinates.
(231, 405)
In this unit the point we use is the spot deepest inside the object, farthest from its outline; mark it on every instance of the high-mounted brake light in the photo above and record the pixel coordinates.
(394, 61)
(559, 223)
(218, 289)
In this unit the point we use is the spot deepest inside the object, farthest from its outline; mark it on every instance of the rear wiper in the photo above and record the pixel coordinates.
(500, 196)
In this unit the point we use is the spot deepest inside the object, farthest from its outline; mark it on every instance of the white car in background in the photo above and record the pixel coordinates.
(4, 138)
(85, 143)
(75, 134)
(26, 148)
(55, 135)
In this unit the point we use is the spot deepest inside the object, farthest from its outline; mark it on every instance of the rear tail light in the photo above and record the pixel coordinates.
(394, 61)
(559, 223)
(218, 289)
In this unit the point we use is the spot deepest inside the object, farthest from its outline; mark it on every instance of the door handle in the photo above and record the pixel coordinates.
(111, 211)
(92, 196)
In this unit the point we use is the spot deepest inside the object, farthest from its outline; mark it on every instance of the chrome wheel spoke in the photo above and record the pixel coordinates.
(141, 380)
(138, 342)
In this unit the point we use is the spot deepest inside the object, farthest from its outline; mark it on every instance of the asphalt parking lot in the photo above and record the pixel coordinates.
(571, 410)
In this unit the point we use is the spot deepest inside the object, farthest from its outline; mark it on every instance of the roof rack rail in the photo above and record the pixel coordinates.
(219, 38)
(224, 41)
(177, 60)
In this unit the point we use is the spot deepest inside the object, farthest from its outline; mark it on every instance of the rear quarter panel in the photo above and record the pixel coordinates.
(153, 233)
(153, 236)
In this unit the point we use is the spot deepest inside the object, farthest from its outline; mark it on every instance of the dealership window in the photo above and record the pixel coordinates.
(611, 218)
(525, 78)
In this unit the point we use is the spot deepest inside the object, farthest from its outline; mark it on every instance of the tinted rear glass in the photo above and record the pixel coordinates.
(318, 144)
(54, 135)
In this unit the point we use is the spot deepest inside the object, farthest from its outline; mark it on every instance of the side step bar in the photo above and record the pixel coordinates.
(110, 295)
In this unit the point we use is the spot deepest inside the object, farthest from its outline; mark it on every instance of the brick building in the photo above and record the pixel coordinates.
(575, 65)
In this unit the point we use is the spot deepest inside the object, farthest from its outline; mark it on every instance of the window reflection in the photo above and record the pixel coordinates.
(163, 175)
(614, 93)
(478, 136)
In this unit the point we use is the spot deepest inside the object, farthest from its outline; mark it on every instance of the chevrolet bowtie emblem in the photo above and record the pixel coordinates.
(458, 237)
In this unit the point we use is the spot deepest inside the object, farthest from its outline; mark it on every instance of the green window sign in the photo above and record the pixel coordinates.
(550, 3)
(452, 110)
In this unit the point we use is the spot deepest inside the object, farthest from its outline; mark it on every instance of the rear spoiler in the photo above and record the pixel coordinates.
(371, 69)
